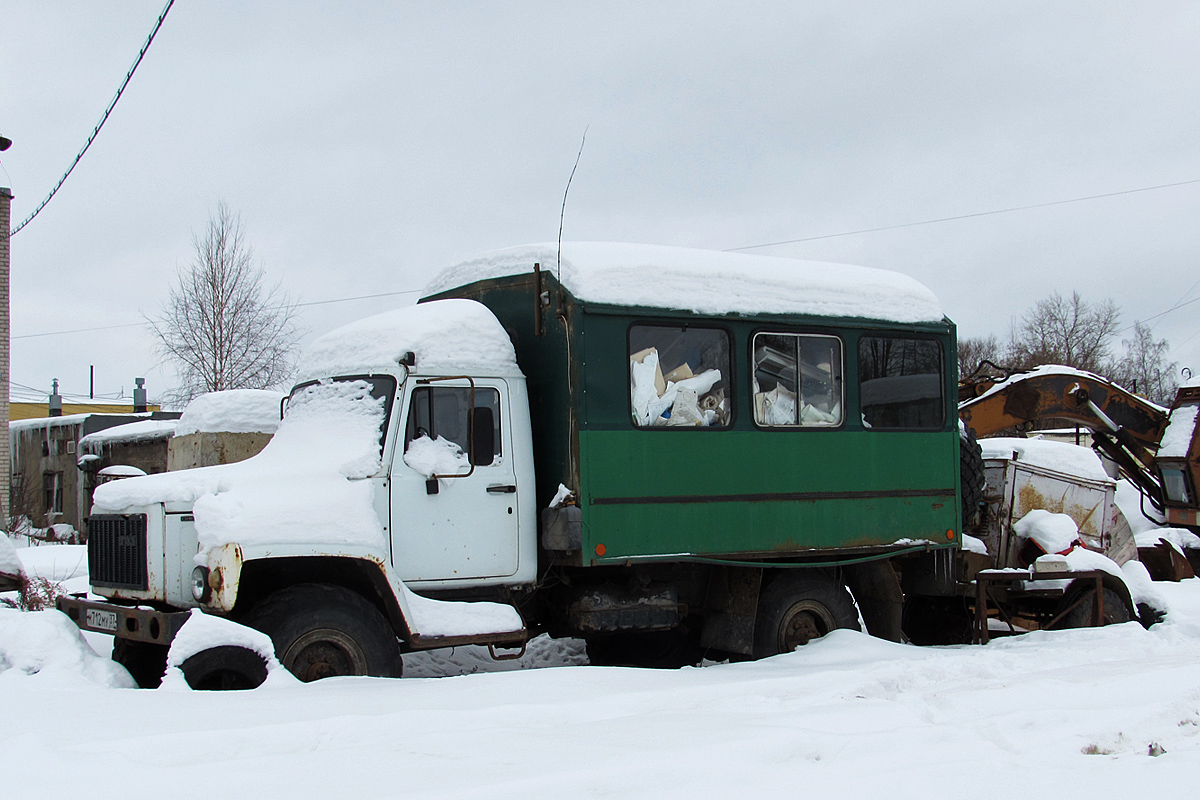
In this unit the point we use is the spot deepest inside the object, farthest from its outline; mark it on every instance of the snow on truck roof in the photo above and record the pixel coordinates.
(707, 282)
(449, 337)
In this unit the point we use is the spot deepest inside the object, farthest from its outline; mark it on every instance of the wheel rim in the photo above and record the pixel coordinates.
(324, 653)
(803, 622)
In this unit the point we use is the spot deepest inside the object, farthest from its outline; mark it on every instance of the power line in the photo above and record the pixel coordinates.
(965, 216)
(78, 330)
(128, 76)
(1178, 304)
(140, 324)
(360, 297)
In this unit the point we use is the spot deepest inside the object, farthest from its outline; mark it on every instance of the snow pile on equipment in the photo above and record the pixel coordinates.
(232, 411)
(1178, 435)
(706, 281)
(446, 337)
(1059, 456)
(1053, 533)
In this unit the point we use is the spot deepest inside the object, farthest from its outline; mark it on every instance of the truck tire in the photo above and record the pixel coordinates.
(146, 662)
(223, 668)
(322, 631)
(1115, 610)
(798, 606)
(970, 465)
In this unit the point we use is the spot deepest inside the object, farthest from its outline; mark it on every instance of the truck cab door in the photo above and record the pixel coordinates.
(461, 526)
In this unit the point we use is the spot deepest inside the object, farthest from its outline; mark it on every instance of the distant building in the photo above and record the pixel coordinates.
(50, 485)
(42, 410)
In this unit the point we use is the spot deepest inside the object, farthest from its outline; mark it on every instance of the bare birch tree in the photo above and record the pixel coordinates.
(223, 327)
(1144, 367)
(1068, 331)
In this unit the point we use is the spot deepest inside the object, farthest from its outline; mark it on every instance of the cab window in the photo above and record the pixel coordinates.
(445, 411)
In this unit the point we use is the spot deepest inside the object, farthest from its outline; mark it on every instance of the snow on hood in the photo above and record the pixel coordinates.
(707, 282)
(448, 337)
(232, 411)
(1059, 456)
(304, 487)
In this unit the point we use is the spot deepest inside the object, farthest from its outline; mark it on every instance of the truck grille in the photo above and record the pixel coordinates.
(117, 551)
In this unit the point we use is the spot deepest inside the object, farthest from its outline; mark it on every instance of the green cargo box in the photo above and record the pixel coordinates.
(876, 468)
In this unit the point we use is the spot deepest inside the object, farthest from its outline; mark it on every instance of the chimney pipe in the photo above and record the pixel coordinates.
(139, 395)
(55, 401)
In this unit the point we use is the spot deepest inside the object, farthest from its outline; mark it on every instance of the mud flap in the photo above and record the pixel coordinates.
(733, 604)
(876, 588)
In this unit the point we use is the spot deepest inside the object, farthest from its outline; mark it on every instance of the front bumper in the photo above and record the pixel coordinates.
(125, 622)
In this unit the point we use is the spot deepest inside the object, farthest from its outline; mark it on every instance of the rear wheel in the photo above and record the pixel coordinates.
(225, 667)
(321, 631)
(970, 465)
(800, 606)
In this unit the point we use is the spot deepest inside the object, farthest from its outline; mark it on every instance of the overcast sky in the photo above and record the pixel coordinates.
(367, 145)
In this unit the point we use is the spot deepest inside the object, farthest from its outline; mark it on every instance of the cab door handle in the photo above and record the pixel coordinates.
(502, 488)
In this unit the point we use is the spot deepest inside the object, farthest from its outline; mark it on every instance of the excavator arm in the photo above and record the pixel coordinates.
(1127, 428)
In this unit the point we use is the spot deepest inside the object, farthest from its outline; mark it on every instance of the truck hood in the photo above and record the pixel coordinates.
(307, 486)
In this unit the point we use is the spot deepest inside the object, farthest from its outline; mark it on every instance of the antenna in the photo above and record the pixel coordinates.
(563, 213)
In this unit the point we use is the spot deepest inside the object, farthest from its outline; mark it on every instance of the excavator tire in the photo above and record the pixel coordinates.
(971, 470)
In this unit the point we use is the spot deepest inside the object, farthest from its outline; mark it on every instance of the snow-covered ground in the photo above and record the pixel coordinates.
(1064, 714)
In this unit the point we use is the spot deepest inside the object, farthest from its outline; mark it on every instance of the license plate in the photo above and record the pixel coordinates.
(104, 620)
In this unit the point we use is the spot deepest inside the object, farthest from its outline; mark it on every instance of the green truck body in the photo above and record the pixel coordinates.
(742, 491)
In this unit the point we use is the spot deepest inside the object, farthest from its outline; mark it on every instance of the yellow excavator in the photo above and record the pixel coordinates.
(1157, 448)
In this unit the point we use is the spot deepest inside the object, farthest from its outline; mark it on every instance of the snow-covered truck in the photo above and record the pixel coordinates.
(659, 450)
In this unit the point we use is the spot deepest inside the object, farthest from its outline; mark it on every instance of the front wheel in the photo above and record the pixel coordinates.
(799, 606)
(223, 668)
(321, 631)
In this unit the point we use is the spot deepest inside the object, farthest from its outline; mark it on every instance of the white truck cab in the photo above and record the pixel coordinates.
(403, 463)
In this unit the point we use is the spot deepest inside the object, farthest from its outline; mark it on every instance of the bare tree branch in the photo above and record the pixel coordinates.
(1065, 331)
(1144, 367)
(222, 327)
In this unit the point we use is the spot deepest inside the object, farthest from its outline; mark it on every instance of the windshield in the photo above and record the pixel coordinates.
(383, 387)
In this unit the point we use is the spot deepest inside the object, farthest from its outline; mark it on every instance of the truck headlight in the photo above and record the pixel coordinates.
(200, 587)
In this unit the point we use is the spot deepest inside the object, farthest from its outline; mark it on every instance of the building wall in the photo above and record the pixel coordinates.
(38, 454)
(207, 449)
(50, 447)
(5, 207)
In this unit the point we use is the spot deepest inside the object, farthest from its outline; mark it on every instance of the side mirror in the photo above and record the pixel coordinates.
(483, 437)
